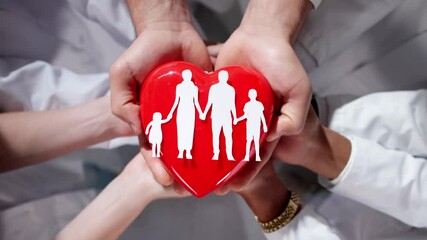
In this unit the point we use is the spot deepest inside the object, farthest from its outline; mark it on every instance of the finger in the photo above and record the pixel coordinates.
(180, 189)
(225, 59)
(155, 164)
(195, 51)
(250, 171)
(229, 54)
(123, 94)
(293, 112)
(223, 190)
(214, 50)
(171, 192)
(157, 168)
(213, 60)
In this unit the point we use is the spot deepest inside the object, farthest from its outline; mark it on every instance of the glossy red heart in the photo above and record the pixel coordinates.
(173, 85)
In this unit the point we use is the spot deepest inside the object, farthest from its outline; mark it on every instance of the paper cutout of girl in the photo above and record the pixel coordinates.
(155, 136)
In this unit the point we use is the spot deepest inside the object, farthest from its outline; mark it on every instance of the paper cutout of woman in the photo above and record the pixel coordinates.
(186, 98)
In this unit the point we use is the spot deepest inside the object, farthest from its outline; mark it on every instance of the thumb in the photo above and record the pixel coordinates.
(293, 113)
(123, 95)
(228, 56)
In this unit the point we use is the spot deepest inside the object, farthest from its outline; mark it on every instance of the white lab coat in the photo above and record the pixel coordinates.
(380, 194)
(57, 53)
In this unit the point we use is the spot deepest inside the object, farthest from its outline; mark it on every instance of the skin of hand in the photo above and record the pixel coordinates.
(317, 148)
(263, 41)
(164, 34)
(23, 134)
(115, 208)
(266, 195)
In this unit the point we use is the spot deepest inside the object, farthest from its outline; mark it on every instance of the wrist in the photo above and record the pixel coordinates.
(283, 18)
(329, 154)
(138, 184)
(267, 199)
(159, 14)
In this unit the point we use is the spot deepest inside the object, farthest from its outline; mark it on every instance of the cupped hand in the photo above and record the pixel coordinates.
(272, 55)
(138, 172)
(157, 43)
(274, 58)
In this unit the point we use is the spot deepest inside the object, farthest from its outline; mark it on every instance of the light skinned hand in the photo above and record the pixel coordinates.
(263, 42)
(164, 34)
(138, 172)
(275, 59)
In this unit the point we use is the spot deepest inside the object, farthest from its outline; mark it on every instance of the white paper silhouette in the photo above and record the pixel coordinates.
(155, 136)
(186, 98)
(222, 100)
(253, 113)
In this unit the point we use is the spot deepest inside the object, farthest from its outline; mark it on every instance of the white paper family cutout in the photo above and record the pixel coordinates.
(221, 100)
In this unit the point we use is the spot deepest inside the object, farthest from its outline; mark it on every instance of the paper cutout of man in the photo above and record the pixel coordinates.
(222, 100)
(253, 113)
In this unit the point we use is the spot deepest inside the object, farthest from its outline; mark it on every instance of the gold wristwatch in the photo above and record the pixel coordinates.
(287, 215)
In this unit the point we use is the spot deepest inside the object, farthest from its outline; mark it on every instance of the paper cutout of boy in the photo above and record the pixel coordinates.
(253, 113)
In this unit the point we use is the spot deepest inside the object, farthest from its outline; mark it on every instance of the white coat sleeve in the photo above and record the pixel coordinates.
(388, 172)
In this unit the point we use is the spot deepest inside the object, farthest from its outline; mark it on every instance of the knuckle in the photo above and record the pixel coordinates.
(116, 108)
(116, 68)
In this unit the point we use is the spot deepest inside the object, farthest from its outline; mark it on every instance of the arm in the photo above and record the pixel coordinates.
(175, 104)
(114, 209)
(233, 108)
(362, 169)
(208, 105)
(28, 138)
(197, 104)
(147, 130)
(240, 118)
(165, 120)
(264, 124)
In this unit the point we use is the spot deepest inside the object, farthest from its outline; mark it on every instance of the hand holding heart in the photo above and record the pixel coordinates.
(298, 95)
(157, 43)
(264, 48)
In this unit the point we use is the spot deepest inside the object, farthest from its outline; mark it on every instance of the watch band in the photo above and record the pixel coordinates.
(287, 215)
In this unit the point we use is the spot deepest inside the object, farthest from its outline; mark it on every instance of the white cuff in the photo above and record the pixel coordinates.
(330, 183)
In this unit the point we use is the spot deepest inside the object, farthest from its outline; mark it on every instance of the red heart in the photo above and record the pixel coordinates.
(201, 174)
